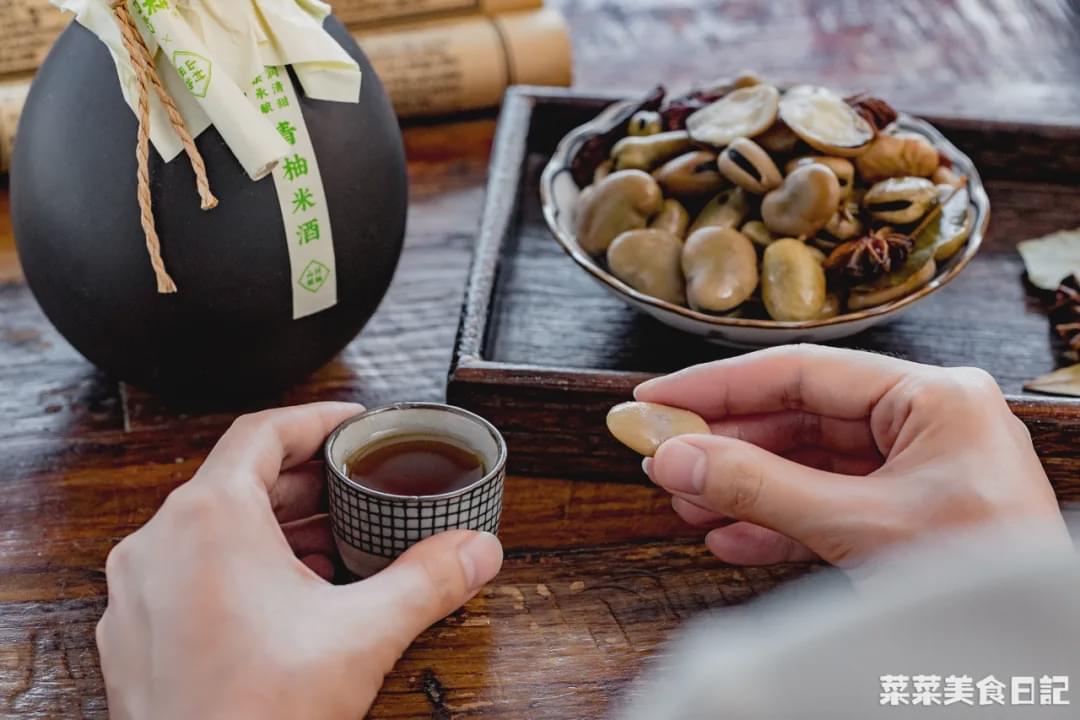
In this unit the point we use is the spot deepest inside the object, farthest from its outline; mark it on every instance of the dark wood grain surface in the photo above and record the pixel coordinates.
(598, 573)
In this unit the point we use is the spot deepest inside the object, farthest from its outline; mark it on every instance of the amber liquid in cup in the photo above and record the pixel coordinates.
(414, 465)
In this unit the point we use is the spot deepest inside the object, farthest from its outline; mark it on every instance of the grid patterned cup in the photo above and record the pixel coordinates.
(370, 527)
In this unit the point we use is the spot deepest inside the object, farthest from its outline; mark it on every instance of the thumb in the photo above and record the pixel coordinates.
(429, 581)
(741, 480)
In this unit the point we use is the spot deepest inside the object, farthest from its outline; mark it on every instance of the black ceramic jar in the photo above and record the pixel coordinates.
(229, 330)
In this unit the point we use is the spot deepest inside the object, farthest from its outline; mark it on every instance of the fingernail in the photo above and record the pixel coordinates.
(718, 543)
(646, 466)
(481, 557)
(682, 467)
(644, 385)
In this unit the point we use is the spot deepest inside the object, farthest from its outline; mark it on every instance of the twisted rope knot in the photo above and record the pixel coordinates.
(142, 62)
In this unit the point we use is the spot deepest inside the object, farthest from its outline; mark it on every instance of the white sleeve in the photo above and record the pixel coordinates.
(1006, 611)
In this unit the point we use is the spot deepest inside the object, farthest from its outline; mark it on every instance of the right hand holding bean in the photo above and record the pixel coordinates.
(838, 454)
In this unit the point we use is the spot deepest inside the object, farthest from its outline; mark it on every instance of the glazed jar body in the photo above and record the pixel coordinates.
(230, 328)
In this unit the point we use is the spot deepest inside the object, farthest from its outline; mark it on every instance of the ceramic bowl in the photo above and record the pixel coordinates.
(559, 197)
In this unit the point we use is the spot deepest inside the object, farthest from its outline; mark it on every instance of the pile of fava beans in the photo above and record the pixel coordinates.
(747, 201)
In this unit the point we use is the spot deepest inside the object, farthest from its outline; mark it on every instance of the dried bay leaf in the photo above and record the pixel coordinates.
(951, 227)
(1051, 258)
(1065, 381)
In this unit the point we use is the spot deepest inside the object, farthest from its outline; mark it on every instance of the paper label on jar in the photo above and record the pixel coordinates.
(301, 196)
(217, 97)
(206, 51)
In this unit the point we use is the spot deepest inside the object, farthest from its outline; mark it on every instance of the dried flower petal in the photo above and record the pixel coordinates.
(680, 108)
(874, 110)
(597, 148)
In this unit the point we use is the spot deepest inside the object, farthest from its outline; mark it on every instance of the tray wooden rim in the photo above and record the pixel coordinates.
(509, 151)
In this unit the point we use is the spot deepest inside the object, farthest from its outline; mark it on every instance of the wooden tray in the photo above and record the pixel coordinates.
(543, 351)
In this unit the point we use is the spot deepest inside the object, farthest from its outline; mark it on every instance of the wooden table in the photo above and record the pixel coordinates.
(597, 574)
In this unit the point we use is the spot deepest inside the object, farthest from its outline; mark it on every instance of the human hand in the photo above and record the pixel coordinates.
(219, 607)
(837, 454)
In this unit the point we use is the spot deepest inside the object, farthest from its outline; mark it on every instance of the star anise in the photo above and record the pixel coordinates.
(876, 111)
(871, 255)
(1065, 313)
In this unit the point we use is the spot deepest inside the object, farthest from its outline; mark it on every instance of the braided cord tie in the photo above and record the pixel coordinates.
(143, 65)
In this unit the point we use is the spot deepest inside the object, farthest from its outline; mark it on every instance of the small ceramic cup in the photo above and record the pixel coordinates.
(370, 527)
